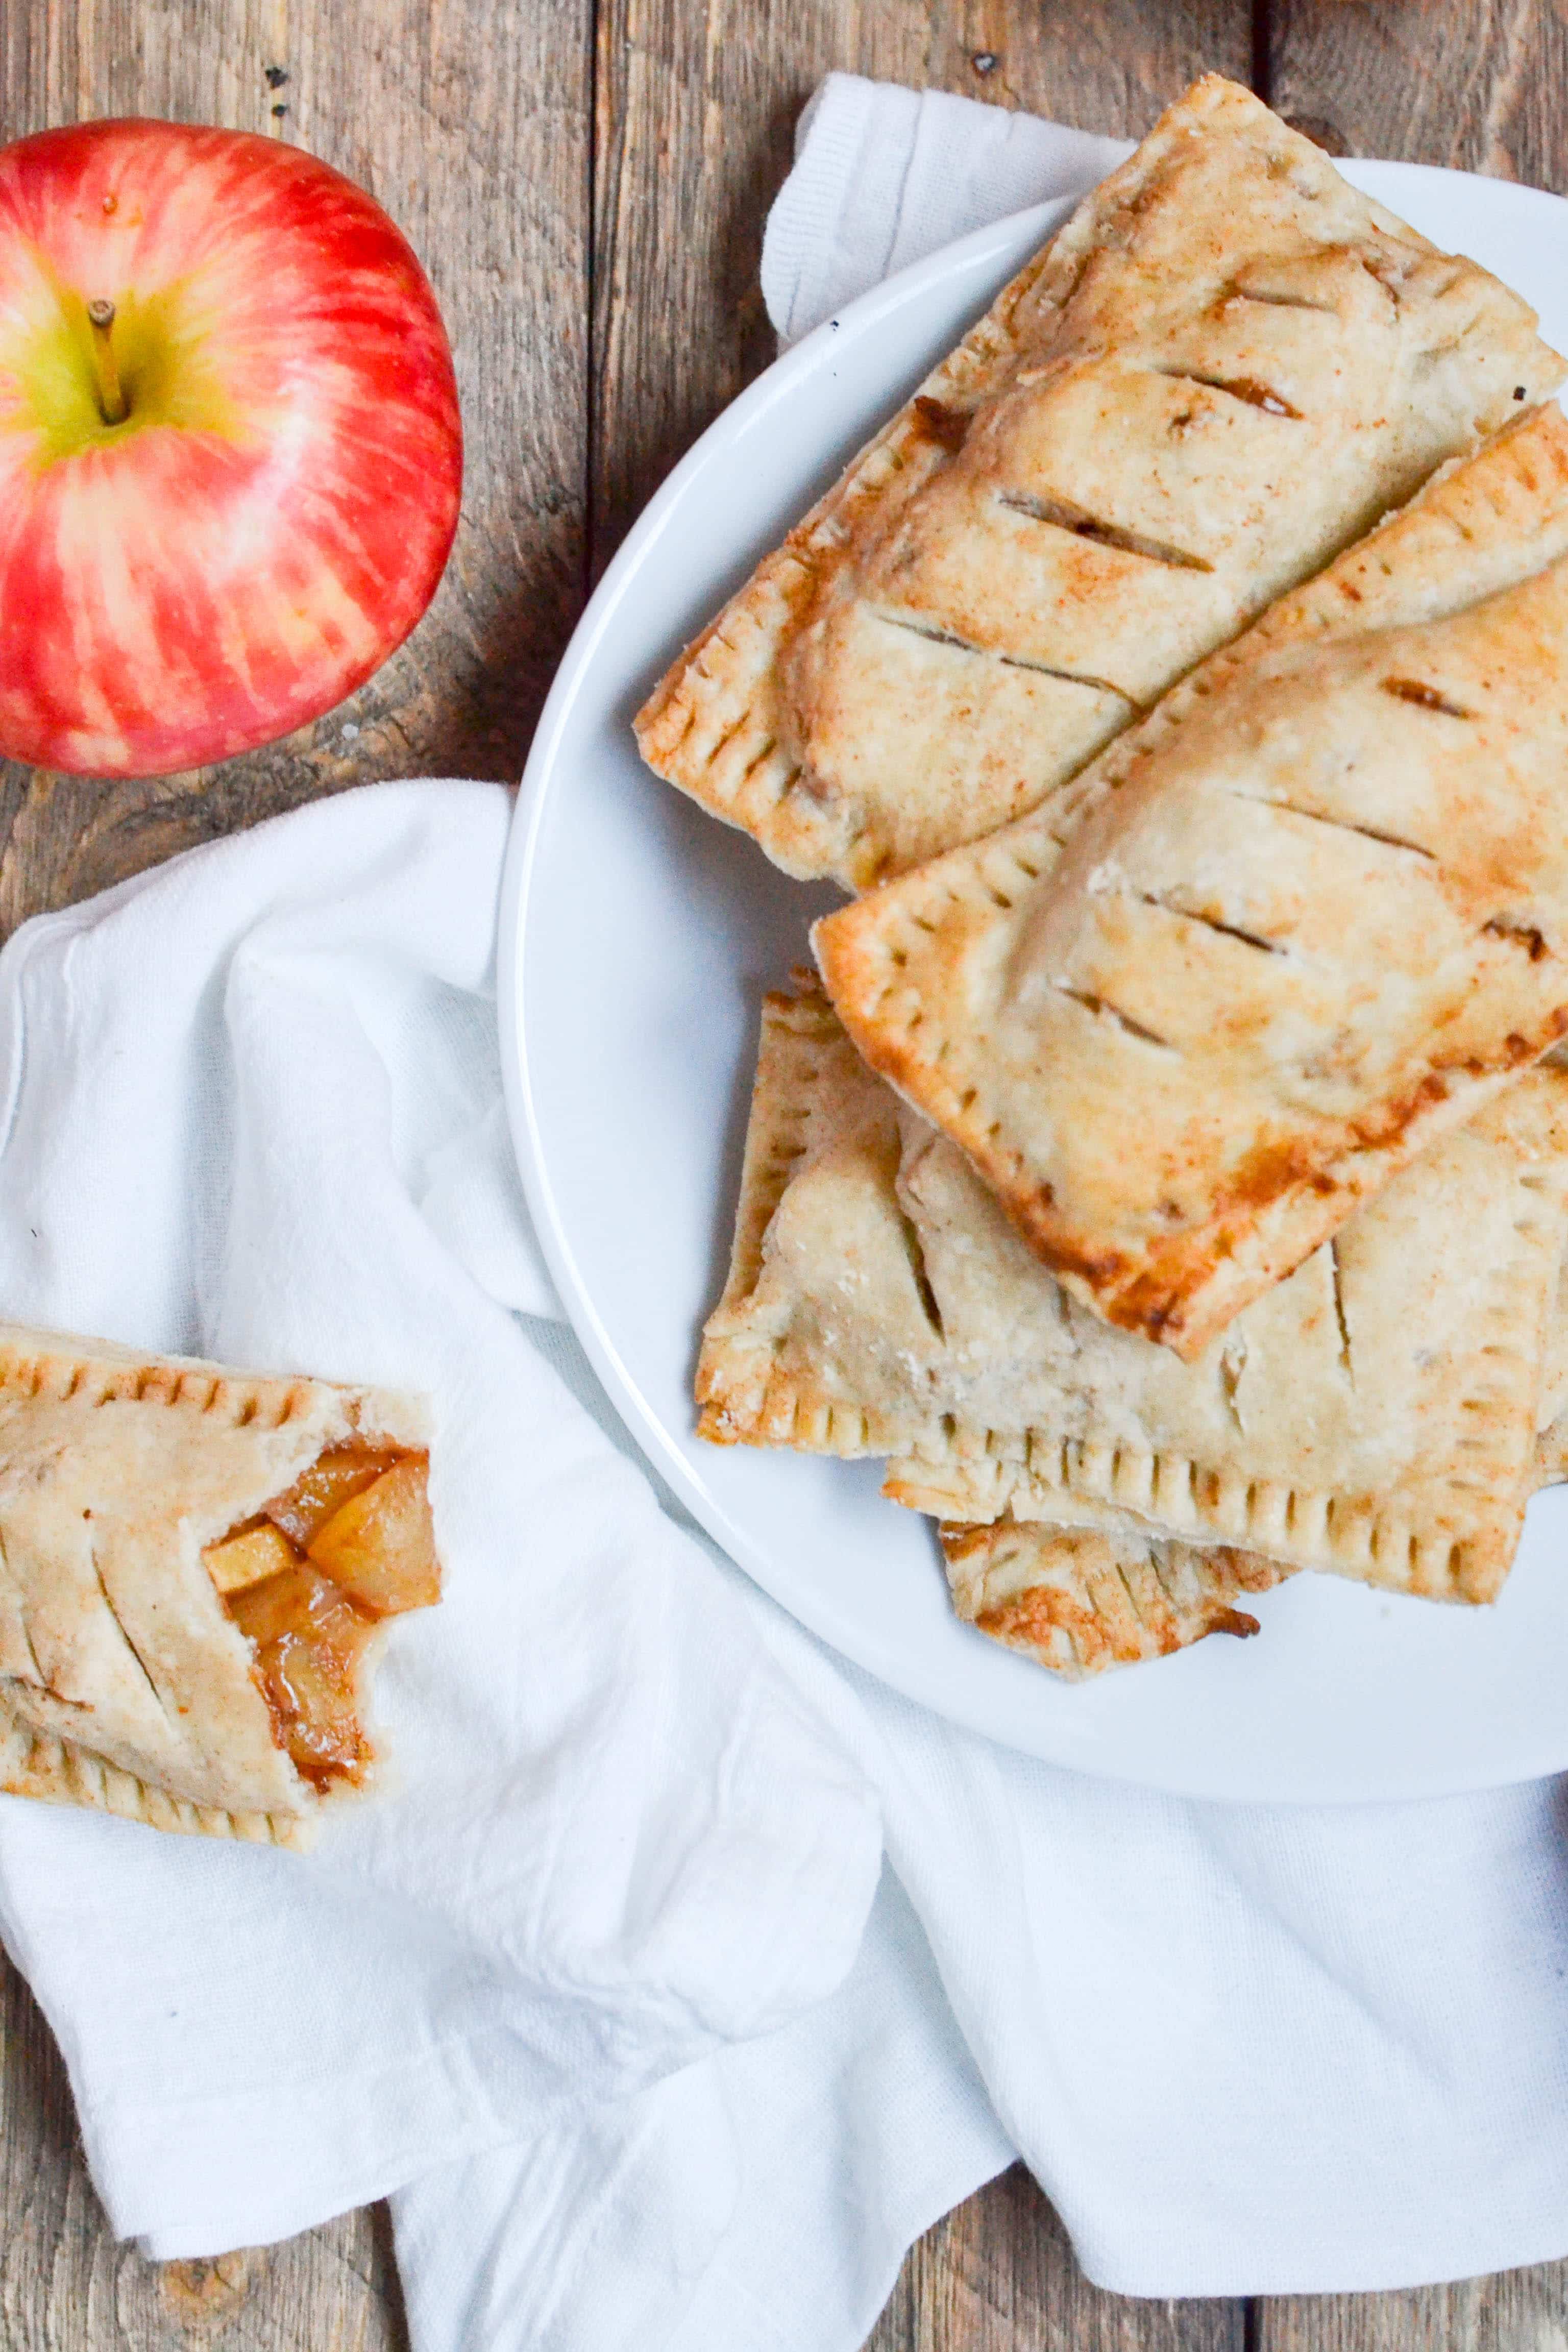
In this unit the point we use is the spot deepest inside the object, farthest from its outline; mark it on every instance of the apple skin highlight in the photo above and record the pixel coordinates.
(273, 513)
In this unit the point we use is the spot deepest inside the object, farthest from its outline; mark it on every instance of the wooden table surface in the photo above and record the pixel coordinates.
(586, 180)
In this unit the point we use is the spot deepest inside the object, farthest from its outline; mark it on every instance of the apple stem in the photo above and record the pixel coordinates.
(112, 398)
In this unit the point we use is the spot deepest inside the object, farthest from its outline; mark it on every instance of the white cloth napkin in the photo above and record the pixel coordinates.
(885, 175)
(252, 1110)
(591, 1995)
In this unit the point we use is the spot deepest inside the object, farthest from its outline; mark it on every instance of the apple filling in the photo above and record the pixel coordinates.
(308, 1580)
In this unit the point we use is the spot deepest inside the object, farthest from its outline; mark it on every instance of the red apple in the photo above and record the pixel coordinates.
(271, 514)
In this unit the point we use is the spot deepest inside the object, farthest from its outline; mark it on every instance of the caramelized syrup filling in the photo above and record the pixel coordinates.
(309, 1578)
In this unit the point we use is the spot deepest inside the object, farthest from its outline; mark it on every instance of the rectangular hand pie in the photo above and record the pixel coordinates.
(1080, 1603)
(1301, 922)
(1223, 369)
(194, 1564)
(1374, 1416)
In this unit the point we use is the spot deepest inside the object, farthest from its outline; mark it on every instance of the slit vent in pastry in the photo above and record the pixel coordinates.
(1081, 1602)
(1227, 365)
(1298, 924)
(1374, 1416)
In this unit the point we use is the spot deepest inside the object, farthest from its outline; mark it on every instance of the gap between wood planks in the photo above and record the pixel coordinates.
(1262, 82)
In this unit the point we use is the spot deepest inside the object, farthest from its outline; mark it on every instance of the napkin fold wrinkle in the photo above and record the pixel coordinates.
(761, 2201)
(885, 175)
(609, 1994)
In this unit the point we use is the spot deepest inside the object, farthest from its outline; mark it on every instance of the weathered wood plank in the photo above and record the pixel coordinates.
(1109, 68)
(1516, 2311)
(696, 105)
(1477, 84)
(471, 122)
(998, 2275)
(67, 2287)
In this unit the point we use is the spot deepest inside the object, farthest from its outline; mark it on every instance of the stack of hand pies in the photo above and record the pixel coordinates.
(1166, 1166)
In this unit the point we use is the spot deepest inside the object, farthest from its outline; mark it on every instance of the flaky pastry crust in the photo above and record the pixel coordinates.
(1223, 369)
(1295, 926)
(1374, 1416)
(123, 1683)
(1081, 1602)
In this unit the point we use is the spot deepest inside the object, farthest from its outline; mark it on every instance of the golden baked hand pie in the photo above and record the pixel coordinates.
(1082, 1598)
(193, 1563)
(1223, 368)
(1081, 1602)
(1374, 1416)
(1301, 922)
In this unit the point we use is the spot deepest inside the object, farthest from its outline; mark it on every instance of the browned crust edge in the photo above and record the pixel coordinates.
(981, 1476)
(862, 949)
(713, 725)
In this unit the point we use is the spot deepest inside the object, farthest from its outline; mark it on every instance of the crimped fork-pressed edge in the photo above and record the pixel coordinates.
(64, 1773)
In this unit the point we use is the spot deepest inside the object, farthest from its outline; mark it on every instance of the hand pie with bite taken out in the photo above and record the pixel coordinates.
(194, 1563)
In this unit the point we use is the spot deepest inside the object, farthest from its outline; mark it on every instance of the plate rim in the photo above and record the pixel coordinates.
(638, 1416)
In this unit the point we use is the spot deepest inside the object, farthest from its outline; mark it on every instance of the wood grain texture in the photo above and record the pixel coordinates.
(67, 2287)
(998, 2275)
(1477, 84)
(471, 122)
(696, 106)
(1517, 2311)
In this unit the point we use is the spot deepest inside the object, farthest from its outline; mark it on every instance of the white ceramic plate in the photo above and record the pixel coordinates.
(638, 936)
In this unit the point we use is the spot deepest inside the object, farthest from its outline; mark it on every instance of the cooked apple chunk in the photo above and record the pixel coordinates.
(248, 1558)
(308, 1579)
(308, 1639)
(380, 1547)
(326, 1485)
